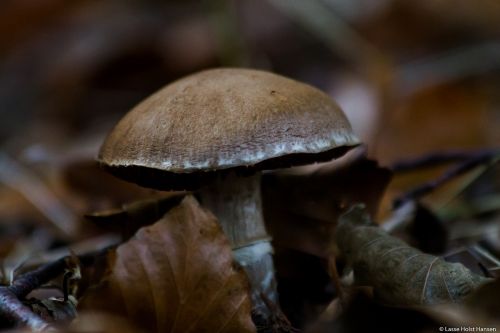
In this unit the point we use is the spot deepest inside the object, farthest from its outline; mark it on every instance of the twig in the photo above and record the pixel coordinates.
(19, 178)
(13, 310)
(27, 282)
(453, 172)
(443, 157)
(11, 306)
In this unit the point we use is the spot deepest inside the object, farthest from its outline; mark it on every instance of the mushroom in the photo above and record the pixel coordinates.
(215, 131)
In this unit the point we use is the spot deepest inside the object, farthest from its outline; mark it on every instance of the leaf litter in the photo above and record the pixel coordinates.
(400, 274)
(177, 275)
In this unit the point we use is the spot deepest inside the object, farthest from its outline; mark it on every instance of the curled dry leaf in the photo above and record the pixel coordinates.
(399, 274)
(177, 275)
(130, 217)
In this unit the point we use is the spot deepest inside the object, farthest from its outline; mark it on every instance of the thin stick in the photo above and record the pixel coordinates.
(438, 158)
(453, 172)
(13, 310)
(16, 176)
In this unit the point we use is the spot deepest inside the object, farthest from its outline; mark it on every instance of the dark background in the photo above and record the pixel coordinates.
(400, 69)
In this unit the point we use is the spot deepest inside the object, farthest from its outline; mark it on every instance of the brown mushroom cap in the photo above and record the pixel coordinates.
(224, 119)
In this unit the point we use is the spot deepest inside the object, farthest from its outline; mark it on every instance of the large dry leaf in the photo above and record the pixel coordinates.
(177, 275)
(400, 274)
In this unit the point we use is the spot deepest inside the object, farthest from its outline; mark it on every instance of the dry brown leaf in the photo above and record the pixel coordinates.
(130, 217)
(400, 274)
(177, 275)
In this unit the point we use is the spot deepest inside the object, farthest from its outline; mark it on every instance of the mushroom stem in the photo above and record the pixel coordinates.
(237, 203)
